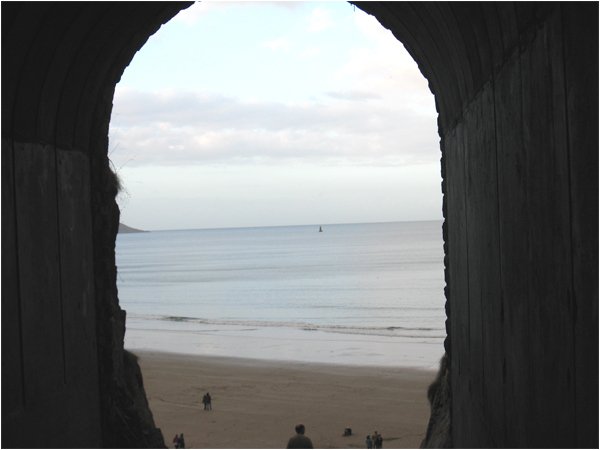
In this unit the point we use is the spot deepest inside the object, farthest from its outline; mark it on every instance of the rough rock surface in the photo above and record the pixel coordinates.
(127, 421)
(439, 430)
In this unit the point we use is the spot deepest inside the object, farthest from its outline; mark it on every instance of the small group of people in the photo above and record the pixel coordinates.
(375, 441)
(207, 401)
(302, 441)
(178, 441)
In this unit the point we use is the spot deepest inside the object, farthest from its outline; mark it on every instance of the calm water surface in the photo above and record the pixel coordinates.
(368, 285)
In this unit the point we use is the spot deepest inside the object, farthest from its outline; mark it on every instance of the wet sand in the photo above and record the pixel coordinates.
(257, 403)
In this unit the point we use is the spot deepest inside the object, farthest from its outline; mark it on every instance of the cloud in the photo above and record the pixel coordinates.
(355, 96)
(380, 115)
(370, 26)
(384, 68)
(173, 127)
(279, 44)
(195, 12)
(369, 133)
(311, 52)
(320, 20)
(200, 9)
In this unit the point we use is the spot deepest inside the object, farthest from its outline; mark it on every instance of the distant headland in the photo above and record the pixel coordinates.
(125, 229)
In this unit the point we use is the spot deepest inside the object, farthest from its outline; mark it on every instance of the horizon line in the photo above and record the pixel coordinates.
(283, 226)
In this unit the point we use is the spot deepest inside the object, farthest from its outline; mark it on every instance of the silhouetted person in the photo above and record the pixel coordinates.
(181, 441)
(299, 441)
(176, 441)
(207, 401)
(369, 442)
(377, 440)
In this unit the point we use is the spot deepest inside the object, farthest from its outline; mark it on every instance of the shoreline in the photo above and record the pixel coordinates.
(284, 344)
(256, 402)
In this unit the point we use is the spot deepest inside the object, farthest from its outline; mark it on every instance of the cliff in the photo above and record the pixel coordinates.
(125, 229)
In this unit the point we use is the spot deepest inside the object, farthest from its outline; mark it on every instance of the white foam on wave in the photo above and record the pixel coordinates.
(282, 343)
(411, 332)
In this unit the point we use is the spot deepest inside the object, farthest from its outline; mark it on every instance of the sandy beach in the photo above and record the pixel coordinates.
(257, 403)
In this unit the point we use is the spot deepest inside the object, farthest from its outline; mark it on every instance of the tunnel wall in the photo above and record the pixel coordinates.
(516, 88)
(511, 257)
(66, 382)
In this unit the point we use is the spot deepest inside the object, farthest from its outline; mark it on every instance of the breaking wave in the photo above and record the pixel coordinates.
(391, 331)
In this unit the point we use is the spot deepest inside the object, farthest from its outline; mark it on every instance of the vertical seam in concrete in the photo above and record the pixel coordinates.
(58, 211)
(431, 77)
(14, 167)
(60, 281)
(466, 234)
(521, 48)
(464, 217)
(18, 271)
(497, 14)
(467, 67)
(569, 181)
(45, 78)
(18, 89)
(501, 275)
(72, 66)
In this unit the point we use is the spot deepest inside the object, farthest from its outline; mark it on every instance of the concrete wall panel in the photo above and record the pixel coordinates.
(485, 292)
(463, 55)
(12, 379)
(39, 270)
(76, 268)
(547, 189)
(61, 419)
(508, 24)
(20, 26)
(69, 45)
(581, 86)
(50, 29)
(493, 28)
(515, 266)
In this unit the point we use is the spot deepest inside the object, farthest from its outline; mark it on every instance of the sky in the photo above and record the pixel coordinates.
(250, 114)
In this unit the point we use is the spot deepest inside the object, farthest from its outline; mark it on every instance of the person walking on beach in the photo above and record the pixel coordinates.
(377, 440)
(181, 441)
(369, 442)
(207, 401)
(299, 440)
(176, 441)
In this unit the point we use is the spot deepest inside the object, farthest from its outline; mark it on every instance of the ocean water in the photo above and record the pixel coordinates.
(357, 294)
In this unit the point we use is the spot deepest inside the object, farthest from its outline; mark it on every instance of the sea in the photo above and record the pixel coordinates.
(351, 294)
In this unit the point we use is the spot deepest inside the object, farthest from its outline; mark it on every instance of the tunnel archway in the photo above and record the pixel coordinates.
(517, 96)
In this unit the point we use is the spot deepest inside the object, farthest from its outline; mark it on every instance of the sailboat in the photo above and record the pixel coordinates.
(320, 230)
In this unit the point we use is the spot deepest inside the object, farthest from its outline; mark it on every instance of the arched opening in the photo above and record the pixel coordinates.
(516, 88)
(371, 295)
